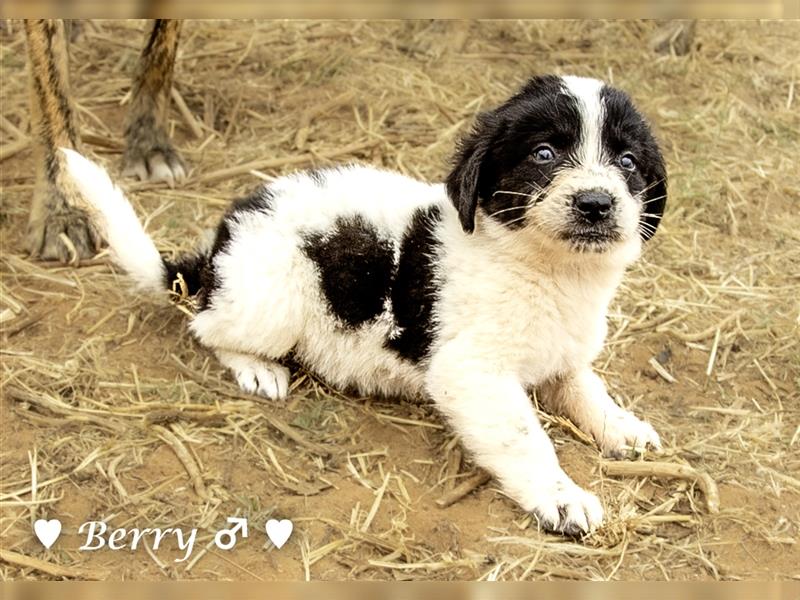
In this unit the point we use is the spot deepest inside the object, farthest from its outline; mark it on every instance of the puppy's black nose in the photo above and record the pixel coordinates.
(594, 205)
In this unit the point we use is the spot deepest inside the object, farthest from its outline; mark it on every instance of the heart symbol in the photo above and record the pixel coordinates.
(47, 531)
(279, 531)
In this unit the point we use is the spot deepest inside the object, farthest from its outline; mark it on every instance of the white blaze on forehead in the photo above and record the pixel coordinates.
(586, 92)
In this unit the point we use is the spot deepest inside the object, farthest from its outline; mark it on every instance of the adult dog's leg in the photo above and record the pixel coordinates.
(149, 154)
(57, 228)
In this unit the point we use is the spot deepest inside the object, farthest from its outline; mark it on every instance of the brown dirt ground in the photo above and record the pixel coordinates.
(100, 365)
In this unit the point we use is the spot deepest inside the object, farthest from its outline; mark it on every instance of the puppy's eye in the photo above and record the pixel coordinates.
(627, 162)
(544, 154)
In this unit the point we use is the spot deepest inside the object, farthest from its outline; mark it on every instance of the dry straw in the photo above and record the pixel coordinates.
(111, 411)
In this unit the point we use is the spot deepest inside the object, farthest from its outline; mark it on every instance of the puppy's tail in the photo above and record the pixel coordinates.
(116, 221)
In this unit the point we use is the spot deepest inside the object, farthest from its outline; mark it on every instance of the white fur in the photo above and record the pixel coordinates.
(587, 92)
(582, 396)
(255, 376)
(266, 258)
(113, 214)
(515, 309)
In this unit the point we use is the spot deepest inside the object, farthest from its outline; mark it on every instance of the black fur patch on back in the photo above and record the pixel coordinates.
(415, 289)
(197, 269)
(356, 267)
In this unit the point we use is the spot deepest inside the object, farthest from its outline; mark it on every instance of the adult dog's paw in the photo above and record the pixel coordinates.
(154, 164)
(60, 230)
(150, 155)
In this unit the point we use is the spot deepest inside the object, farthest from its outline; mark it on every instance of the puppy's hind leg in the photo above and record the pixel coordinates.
(257, 375)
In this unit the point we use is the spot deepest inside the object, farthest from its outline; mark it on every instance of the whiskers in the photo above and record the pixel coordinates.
(510, 208)
(646, 229)
(651, 200)
(533, 199)
(513, 221)
(640, 194)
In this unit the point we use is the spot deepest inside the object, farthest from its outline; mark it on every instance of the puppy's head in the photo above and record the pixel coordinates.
(569, 161)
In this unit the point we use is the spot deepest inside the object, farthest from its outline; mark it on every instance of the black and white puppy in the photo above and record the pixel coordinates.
(469, 292)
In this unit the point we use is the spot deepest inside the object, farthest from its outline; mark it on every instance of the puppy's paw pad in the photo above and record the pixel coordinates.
(264, 378)
(623, 433)
(566, 508)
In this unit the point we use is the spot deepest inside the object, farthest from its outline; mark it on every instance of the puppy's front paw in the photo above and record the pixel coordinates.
(621, 433)
(563, 507)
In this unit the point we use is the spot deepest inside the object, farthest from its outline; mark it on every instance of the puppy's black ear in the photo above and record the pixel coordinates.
(655, 198)
(463, 183)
